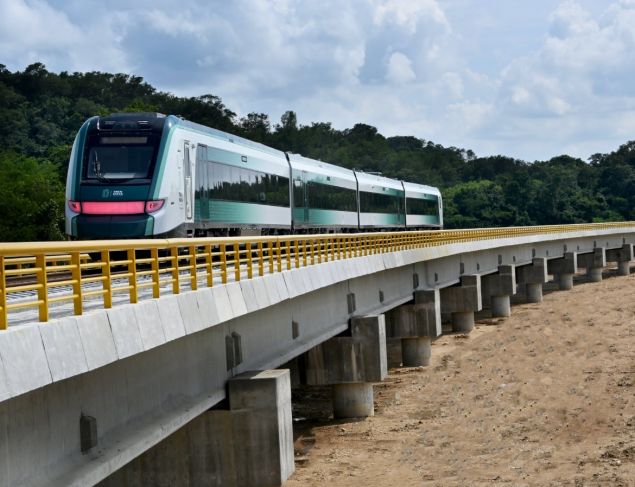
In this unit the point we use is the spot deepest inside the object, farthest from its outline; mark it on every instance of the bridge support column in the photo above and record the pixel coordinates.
(497, 288)
(351, 364)
(532, 277)
(462, 301)
(623, 256)
(393, 352)
(501, 306)
(416, 325)
(249, 445)
(594, 263)
(563, 270)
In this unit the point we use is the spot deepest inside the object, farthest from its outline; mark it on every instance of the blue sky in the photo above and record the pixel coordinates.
(528, 79)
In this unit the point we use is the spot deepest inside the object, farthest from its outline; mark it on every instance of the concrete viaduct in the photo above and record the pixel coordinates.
(188, 382)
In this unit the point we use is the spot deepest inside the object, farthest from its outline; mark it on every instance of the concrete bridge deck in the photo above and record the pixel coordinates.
(84, 394)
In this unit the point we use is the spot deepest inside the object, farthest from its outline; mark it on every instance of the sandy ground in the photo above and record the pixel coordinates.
(546, 397)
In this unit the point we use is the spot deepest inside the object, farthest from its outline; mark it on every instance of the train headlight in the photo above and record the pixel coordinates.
(75, 206)
(154, 206)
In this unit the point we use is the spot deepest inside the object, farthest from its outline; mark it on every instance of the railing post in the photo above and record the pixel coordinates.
(3, 296)
(271, 247)
(76, 273)
(250, 264)
(42, 292)
(275, 247)
(209, 268)
(236, 248)
(176, 284)
(288, 255)
(223, 263)
(261, 259)
(296, 253)
(193, 268)
(312, 244)
(132, 278)
(156, 286)
(107, 282)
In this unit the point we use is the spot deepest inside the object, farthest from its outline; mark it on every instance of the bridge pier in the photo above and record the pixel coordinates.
(594, 262)
(351, 364)
(623, 256)
(394, 353)
(249, 445)
(532, 277)
(497, 289)
(462, 301)
(415, 325)
(563, 270)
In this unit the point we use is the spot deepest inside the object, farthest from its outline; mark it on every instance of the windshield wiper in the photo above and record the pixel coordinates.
(97, 170)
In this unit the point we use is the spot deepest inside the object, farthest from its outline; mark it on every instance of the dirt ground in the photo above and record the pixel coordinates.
(546, 397)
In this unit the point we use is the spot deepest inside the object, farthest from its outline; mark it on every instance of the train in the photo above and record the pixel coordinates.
(148, 175)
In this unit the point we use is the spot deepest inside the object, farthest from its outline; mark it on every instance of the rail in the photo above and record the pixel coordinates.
(89, 270)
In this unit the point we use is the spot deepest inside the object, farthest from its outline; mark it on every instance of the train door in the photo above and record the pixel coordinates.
(187, 183)
(305, 197)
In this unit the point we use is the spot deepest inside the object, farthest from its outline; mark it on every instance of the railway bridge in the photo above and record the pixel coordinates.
(170, 362)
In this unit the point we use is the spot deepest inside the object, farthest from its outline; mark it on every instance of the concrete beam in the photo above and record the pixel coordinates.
(623, 256)
(249, 445)
(360, 357)
(497, 289)
(462, 301)
(531, 277)
(563, 269)
(593, 262)
(422, 319)
(415, 325)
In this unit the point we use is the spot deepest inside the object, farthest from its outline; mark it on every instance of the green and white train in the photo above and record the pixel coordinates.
(148, 175)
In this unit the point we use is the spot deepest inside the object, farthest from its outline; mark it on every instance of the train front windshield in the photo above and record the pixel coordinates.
(119, 159)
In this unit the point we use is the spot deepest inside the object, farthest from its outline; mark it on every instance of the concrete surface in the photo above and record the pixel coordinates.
(145, 370)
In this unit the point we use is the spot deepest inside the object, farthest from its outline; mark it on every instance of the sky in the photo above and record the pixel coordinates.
(526, 79)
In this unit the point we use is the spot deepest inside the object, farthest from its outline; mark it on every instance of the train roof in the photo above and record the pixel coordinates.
(420, 188)
(367, 179)
(225, 136)
(311, 165)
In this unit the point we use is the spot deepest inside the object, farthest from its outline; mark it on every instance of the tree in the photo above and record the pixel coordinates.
(32, 199)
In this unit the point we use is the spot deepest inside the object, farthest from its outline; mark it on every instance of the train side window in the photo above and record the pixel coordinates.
(417, 206)
(231, 183)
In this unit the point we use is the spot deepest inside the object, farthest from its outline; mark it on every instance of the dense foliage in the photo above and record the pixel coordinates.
(40, 112)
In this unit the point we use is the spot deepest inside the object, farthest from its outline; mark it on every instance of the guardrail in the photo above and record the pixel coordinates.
(128, 266)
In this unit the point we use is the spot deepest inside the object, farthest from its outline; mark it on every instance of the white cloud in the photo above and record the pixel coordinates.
(32, 30)
(407, 13)
(529, 80)
(399, 69)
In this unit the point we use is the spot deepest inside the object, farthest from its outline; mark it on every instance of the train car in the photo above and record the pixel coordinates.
(381, 202)
(150, 175)
(147, 175)
(424, 206)
(324, 196)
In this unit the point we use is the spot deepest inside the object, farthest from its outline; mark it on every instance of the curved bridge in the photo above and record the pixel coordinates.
(113, 353)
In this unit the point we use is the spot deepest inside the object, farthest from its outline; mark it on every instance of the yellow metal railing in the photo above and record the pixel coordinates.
(100, 269)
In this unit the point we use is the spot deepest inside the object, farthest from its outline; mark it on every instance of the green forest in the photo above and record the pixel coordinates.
(41, 111)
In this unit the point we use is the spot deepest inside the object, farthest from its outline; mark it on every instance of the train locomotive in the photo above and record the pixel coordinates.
(149, 175)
